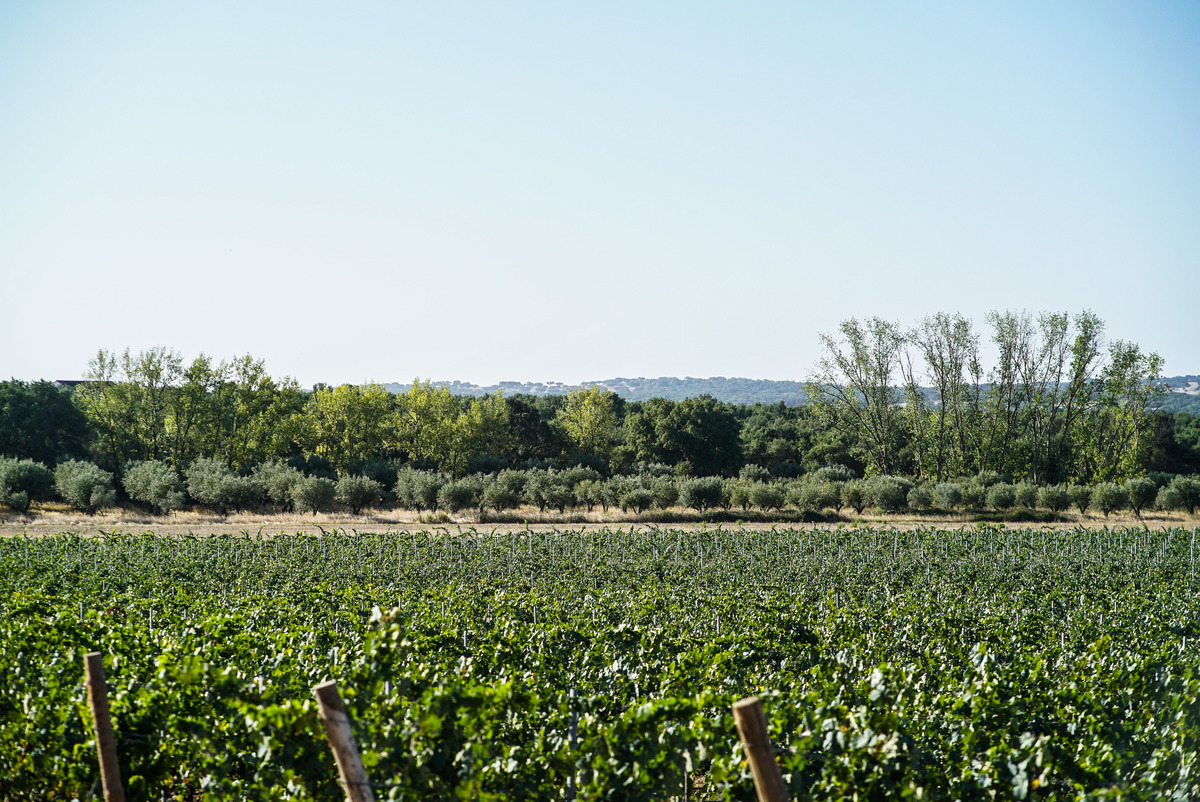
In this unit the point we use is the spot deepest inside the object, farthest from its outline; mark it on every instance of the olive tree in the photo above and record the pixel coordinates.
(1141, 492)
(23, 481)
(357, 492)
(314, 494)
(703, 493)
(84, 486)
(1110, 497)
(154, 483)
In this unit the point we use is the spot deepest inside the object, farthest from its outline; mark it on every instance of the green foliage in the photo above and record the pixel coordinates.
(636, 498)
(39, 422)
(754, 473)
(212, 483)
(1110, 497)
(1055, 498)
(84, 486)
(589, 420)
(1025, 495)
(1001, 496)
(504, 491)
(457, 496)
(1081, 497)
(418, 490)
(703, 493)
(922, 664)
(1168, 498)
(810, 493)
(737, 493)
(699, 436)
(855, 495)
(1141, 492)
(768, 497)
(275, 481)
(23, 481)
(947, 495)
(357, 492)
(920, 498)
(154, 483)
(833, 473)
(665, 490)
(888, 493)
(1188, 490)
(313, 494)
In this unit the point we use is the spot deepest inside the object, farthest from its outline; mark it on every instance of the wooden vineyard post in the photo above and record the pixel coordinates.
(752, 729)
(106, 744)
(341, 741)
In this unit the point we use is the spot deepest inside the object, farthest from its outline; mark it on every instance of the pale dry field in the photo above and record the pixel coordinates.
(52, 518)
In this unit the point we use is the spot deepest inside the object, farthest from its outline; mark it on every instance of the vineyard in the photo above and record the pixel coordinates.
(970, 664)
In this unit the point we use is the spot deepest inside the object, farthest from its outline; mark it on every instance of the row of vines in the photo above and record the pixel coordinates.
(974, 663)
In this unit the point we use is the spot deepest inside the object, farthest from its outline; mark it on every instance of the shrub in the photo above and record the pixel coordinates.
(988, 478)
(769, 496)
(1001, 496)
(612, 490)
(275, 481)
(84, 486)
(588, 493)
(505, 490)
(1026, 496)
(1188, 488)
(651, 469)
(1110, 497)
(1055, 498)
(703, 493)
(833, 473)
(357, 492)
(1141, 492)
(154, 483)
(558, 495)
(213, 484)
(824, 495)
(23, 481)
(919, 498)
(666, 492)
(754, 473)
(456, 496)
(947, 495)
(739, 493)
(1081, 497)
(854, 495)
(382, 471)
(418, 490)
(1169, 498)
(548, 489)
(578, 473)
(889, 493)
(974, 494)
(637, 499)
(313, 494)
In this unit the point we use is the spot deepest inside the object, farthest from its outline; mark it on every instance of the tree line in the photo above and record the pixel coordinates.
(1059, 406)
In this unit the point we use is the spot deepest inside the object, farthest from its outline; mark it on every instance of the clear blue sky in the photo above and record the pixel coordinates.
(571, 191)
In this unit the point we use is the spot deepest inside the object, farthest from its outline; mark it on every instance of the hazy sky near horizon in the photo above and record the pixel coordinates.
(571, 191)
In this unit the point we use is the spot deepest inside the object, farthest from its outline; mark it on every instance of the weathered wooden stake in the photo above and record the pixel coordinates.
(106, 744)
(341, 741)
(752, 729)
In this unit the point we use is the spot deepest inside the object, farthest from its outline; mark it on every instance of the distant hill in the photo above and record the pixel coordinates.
(1184, 397)
(738, 391)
